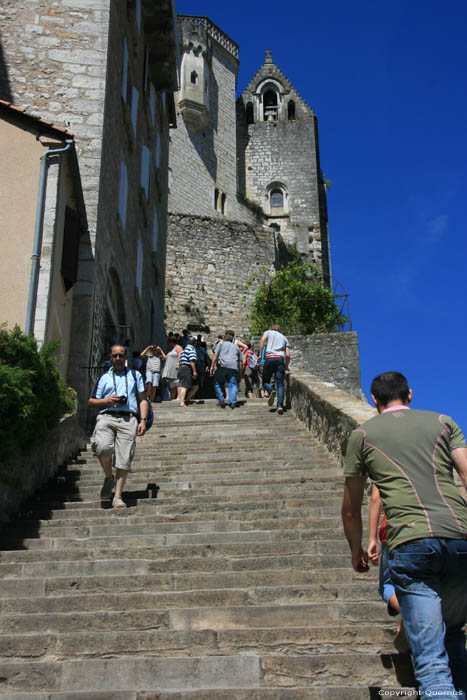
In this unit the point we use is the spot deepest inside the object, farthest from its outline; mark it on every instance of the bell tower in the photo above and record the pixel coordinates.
(278, 162)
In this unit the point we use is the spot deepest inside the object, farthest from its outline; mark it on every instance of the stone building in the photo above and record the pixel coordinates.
(105, 70)
(245, 178)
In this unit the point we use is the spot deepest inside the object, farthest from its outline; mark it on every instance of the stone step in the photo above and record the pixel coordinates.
(208, 618)
(15, 587)
(291, 641)
(310, 541)
(148, 600)
(188, 673)
(95, 527)
(316, 693)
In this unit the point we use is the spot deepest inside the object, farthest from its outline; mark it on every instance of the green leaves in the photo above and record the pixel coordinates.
(33, 396)
(298, 300)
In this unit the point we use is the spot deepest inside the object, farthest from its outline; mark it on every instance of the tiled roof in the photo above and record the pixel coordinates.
(41, 125)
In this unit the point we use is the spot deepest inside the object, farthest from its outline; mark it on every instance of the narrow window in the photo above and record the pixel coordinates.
(250, 119)
(146, 70)
(152, 103)
(139, 266)
(291, 110)
(134, 107)
(194, 77)
(155, 229)
(125, 71)
(138, 14)
(169, 179)
(122, 194)
(70, 253)
(146, 171)
(277, 199)
(223, 198)
(158, 149)
(216, 198)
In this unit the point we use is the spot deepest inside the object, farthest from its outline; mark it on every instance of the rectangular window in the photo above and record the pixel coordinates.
(158, 149)
(134, 108)
(146, 70)
(155, 229)
(138, 14)
(70, 253)
(139, 267)
(146, 171)
(152, 103)
(122, 194)
(125, 71)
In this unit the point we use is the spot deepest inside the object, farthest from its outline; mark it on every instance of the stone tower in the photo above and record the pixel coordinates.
(244, 178)
(278, 162)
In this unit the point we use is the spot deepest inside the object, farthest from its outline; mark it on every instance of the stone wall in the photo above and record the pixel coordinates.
(328, 412)
(209, 263)
(26, 474)
(333, 357)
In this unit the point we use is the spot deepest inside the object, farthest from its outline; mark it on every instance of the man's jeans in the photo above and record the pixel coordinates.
(275, 365)
(224, 376)
(430, 578)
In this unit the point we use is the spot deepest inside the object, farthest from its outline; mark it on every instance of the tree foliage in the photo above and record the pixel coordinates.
(33, 396)
(297, 299)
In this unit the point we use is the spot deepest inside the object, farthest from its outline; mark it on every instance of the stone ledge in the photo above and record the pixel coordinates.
(327, 411)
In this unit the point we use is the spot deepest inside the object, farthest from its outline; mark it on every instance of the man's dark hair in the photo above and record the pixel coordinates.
(389, 387)
(229, 337)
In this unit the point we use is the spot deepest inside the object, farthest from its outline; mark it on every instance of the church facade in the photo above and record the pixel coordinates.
(244, 179)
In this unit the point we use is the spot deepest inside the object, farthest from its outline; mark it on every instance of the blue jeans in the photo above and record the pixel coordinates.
(386, 588)
(275, 365)
(224, 376)
(430, 578)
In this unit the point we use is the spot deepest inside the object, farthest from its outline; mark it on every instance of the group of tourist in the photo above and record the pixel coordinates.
(409, 455)
(124, 401)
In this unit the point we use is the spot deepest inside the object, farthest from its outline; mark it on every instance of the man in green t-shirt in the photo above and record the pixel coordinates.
(410, 455)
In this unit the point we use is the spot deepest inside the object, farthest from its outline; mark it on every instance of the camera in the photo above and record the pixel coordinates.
(122, 399)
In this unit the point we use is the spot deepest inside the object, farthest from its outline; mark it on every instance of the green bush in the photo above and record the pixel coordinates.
(297, 299)
(33, 396)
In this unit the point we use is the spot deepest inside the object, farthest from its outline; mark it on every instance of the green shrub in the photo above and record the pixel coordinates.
(297, 299)
(33, 396)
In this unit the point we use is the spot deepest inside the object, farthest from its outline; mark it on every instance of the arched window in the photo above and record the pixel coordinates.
(275, 227)
(270, 105)
(250, 117)
(277, 199)
(291, 110)
(194, 77)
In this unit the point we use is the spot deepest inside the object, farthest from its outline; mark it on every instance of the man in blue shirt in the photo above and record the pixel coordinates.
(118, 396)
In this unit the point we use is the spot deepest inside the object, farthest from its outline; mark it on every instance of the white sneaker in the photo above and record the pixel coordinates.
(118, 503)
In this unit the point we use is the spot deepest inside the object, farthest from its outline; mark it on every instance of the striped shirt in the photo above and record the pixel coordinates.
(188, 355)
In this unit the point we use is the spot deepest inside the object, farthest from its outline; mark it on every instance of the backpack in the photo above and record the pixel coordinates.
(253, 360)
(150, 418)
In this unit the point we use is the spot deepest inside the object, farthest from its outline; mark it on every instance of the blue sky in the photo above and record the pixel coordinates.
(388, 84)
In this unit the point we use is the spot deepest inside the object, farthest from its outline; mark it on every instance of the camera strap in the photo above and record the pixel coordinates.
(126, 382)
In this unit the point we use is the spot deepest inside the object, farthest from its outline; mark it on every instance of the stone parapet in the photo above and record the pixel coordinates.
(328, 412)
(19, 479)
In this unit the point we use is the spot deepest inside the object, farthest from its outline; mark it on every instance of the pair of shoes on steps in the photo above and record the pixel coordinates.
(271, 398)
(118, 503)
(221, 404)
(107, 488)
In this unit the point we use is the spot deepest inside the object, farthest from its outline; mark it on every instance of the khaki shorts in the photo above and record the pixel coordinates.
(114, 435)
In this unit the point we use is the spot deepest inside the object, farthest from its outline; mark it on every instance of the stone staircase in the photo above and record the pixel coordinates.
(227, 577)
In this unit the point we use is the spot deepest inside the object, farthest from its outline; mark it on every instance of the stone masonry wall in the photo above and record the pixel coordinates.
(209, 263)
(333, 357)
(55, 56)
(205, 160)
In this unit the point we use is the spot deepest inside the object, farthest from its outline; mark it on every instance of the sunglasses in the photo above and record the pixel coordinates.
(118, 355)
